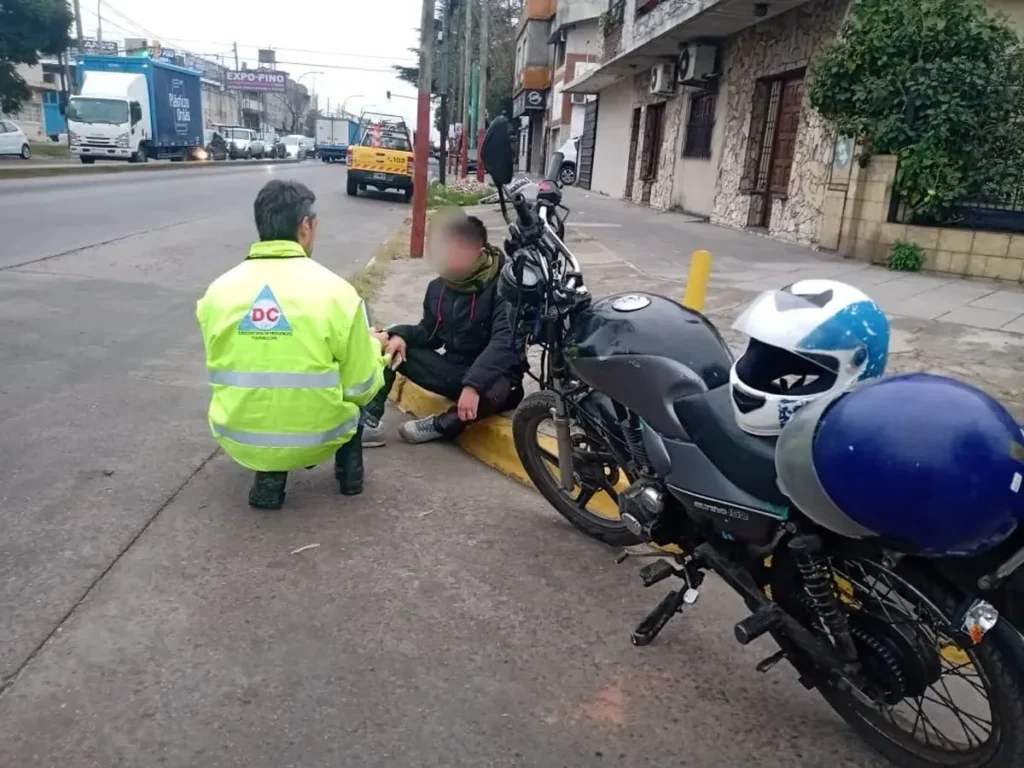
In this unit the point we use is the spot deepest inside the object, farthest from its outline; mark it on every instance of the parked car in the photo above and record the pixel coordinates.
(270, 142)
(13, 140)
(293, 146)
(243, 143)
(570, 151)
(309, 145)
(214, 147)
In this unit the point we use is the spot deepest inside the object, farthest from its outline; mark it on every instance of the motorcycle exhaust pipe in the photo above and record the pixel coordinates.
(564, 440)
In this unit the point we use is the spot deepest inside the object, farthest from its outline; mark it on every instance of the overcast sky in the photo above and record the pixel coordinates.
(341, 39)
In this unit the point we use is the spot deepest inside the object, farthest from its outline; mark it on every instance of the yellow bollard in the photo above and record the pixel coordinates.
(697, 282)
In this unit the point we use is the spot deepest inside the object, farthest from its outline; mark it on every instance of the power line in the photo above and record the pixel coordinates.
(127, 19)
(251, 46)
(408, 59)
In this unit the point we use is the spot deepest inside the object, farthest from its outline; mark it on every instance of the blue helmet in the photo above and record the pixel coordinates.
(930, 464)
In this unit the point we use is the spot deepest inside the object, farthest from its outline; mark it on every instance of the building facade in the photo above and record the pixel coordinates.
(531, 87)
(575, 41)
(738, 143)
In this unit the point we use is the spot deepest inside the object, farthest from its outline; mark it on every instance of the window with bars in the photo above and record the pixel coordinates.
(700, 126)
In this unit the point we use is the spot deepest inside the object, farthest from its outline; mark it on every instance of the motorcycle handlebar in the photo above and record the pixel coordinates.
(522, 209)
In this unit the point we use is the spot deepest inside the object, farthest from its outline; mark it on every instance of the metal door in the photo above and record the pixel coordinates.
(634, 140)
(588, 144)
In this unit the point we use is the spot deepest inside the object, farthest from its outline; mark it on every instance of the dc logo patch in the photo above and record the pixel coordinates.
(265, 315)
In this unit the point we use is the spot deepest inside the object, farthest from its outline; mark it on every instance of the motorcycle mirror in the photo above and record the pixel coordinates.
(497, 151)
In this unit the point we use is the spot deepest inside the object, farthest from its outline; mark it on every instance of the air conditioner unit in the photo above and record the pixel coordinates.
(696, 62)
(662, 80)
(579, 98)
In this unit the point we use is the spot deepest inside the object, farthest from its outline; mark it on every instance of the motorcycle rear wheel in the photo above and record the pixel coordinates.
(992, 668)
(541, 465)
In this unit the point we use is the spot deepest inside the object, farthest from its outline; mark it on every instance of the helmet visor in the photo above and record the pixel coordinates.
(801, 324)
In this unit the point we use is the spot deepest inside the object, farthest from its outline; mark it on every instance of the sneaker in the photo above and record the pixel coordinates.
(373, 432)
(420, 430)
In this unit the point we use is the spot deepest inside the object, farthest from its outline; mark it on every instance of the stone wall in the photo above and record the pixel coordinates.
(855, 222)
(783, 44)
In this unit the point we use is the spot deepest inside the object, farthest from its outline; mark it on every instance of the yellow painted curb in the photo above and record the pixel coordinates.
(489, 440)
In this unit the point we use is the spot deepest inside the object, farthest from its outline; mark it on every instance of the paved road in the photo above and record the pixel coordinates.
(447, 617)
(100, 418)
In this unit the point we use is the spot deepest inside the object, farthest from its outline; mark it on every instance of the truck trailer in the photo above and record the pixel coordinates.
(134, 109)
(334, 135)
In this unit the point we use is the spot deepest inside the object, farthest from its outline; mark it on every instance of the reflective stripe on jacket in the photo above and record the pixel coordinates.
(289, 357)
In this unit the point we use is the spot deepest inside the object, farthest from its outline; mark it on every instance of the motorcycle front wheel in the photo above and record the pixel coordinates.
(592, 505)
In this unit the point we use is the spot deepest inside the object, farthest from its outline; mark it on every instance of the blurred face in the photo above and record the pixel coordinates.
(460, 256)
(307, 234)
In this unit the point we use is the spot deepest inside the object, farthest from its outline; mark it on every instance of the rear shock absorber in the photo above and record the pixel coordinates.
(819, 585)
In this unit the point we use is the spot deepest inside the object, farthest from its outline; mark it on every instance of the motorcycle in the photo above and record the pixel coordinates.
(883, 636)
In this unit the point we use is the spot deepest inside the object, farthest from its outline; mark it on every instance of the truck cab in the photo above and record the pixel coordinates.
(110, 118)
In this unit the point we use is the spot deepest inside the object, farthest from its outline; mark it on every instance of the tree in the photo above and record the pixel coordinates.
(501, 65)
(411, 75)
(311, 117)
(28, 29)
(937, 83)
(295, 101)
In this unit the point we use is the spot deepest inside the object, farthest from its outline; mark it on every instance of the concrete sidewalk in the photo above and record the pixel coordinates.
(659, 245)
(969, 329)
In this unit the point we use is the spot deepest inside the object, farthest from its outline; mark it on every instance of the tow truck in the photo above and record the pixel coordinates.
(383, 159)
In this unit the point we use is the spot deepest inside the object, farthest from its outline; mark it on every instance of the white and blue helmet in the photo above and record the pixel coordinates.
(808, 340)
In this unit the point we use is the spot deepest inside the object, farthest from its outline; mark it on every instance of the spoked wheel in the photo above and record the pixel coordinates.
(592, 505)
(927, 696)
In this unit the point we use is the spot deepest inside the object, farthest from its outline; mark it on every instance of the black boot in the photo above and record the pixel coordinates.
(268, 490)
(348, 465)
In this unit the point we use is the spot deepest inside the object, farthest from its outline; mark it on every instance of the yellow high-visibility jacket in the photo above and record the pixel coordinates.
(290, 359)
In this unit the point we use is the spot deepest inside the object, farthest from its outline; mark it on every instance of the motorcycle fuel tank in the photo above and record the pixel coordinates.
(645, 352)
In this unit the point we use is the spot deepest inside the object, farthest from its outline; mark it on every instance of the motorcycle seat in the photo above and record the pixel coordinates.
(746, 460)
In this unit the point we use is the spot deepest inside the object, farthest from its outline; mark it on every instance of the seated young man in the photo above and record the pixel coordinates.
(481, 368)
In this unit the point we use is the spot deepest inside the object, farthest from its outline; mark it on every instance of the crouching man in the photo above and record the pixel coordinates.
(289, 354)
(481, 368)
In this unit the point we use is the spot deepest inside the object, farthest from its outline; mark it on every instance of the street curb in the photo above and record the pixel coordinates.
(42, 171)
(489, 441)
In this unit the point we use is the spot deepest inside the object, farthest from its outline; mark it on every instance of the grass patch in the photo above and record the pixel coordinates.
(370, 279)
(50, 149)
(458, 193)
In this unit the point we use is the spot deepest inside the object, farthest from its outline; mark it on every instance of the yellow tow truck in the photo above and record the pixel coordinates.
(383, 159)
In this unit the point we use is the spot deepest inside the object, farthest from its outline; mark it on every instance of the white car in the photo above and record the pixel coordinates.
(13, 140)
(294, 146)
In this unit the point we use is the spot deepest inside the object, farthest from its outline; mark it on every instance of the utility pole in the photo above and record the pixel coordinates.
(466, 81)
(482, 96)
(99, 21)
(78, 27)
(236, 56)
(428, 39)
(446, 47)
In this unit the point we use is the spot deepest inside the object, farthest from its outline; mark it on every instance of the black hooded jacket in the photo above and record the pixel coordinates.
(474, 329)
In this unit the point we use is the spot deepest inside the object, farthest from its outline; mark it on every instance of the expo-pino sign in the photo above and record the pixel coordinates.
(256, 80)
